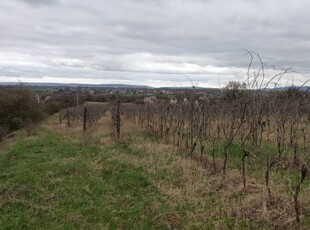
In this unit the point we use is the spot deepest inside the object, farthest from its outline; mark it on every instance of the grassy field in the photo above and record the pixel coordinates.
(60, 178)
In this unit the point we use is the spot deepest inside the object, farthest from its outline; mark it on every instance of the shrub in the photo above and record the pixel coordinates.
(16, 106)
(51, 107)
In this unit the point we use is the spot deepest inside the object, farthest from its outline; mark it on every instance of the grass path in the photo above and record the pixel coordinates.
(49, 183)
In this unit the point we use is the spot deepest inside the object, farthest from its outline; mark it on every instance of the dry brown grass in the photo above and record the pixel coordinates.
(188, 184)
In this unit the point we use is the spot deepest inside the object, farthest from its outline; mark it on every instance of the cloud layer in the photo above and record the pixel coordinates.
(151, 42)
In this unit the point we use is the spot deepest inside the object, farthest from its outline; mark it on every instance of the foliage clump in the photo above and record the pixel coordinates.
(18, 108)
(234, 90)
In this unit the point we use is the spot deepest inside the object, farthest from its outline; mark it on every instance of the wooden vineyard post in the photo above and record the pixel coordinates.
(68, 117)
(118, 120)
(60, 120)
(85, 120)
(304, 172)
(267, 176)
(191, 129)
(245, 155)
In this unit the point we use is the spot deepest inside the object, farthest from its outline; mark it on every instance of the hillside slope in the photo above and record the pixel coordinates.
(61, 178)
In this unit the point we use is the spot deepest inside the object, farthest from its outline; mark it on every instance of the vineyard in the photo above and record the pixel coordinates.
(262, 135)
(87, 114)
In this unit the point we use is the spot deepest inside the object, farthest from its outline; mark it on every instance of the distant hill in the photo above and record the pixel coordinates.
(74, 85)
(300, 88)
(128, 86)
(112, 86)
(188, 88)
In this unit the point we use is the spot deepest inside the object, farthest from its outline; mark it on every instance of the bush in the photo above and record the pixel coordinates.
(234, 90)
(51, 107)
(17, 105)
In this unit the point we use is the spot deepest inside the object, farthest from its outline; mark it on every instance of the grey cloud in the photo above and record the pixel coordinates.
(159, 39)
(39, 2)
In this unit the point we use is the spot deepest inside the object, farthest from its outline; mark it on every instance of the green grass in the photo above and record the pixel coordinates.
(49, 183)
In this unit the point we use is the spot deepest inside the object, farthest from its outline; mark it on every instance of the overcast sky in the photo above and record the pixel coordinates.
(152, 42)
